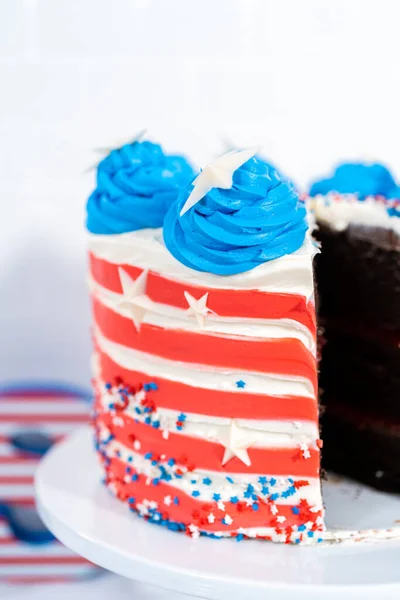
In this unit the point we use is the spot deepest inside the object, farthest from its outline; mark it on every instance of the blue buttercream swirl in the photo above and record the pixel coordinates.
(234, 230)
(136, 185)
(357, 178)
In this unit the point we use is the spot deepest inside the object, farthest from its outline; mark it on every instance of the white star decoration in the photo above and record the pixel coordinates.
(133, 289)
(218, 174)
(235, 447)
(198, 308)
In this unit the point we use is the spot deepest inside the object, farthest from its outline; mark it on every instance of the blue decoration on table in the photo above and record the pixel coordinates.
(230, 231)
(357, 178)
(136, 184)
(26, 524)
(32, 442)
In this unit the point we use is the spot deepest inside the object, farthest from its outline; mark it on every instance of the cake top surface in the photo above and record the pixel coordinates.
(135, 186)
(237, 214)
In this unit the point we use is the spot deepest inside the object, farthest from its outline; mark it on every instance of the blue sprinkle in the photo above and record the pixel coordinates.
(193, 481)
(108, 386)
(301, 527)
(176, 500)
(130, 458)
(229, 479)
(297, 541)
(154, 463)
(207, 481)
(111, 406)
(137, 410)
(179, 427)
(118, 453)
(135, 477)
(249, 492)
(156, 424)
(196, 494)
(265, 491)
(171, 462)
(127, 470)
(272, 481)
(263, 480)
(147, 420)
(255, 506)
(132, 500)
(290, 480)
(239, 537)
(148, 455)
(216, 497)
(310, 534)
(295, 510)
(274, 497)
(234, 499)
(155, 481)
(182, 417)
(319, 540)
(240, 383)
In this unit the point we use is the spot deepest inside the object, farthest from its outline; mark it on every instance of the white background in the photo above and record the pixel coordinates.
(313, 80)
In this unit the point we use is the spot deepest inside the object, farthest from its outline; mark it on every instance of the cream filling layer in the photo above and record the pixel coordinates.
(145, 249)
(203, 376)
(169, 317)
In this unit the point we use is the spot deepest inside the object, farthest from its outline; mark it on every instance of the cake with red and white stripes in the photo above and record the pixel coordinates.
(205, 376)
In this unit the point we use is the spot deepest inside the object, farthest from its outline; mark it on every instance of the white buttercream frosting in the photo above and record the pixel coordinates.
(145, 249)
(340, 211)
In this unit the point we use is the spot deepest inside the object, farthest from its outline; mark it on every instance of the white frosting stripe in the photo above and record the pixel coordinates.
(170, 317)
(255, 433)
(220, 484)
(203, 376)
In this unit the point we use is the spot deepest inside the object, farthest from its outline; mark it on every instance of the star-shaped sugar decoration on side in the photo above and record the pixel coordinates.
(133, 289)
(136, 138)
(234, 446)
(198, 308)
(218, 174)
(305, 451)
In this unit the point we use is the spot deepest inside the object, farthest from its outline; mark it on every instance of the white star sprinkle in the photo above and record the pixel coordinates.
(228, 520)
(118, 422)
(274, 509)
(218, 174)
(132, 290)
(281, 518)
(234, 446)
(221, 505)
(194, 530)
(198, 308)
(211, 518)
(165, 434)
(305, 451)
(168, 500)
(137, 445)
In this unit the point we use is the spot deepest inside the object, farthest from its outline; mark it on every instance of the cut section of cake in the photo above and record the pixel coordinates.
(205, 376)
(358, 274)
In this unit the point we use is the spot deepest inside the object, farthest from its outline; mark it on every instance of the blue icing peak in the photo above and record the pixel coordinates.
(357, 178)
(231, 231)
(136, 185)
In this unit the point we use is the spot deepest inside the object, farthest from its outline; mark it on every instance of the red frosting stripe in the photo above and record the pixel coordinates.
(254, 304)
(216, 403)
(207, 455)
(191, 510)
(278, 356)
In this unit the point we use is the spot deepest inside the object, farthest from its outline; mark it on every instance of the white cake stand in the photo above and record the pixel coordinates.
(82, 514)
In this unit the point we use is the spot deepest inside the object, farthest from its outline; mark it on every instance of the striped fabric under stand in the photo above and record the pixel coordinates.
(54, 411)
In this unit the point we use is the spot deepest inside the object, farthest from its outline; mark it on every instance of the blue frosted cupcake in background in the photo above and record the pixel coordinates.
(362, 180)
(135, 186)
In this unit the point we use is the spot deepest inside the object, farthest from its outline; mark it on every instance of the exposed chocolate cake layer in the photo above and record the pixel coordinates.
(362, 449)
(359, 278)
(360, 372)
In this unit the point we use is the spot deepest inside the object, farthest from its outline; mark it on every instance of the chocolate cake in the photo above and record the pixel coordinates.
(358, 276)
